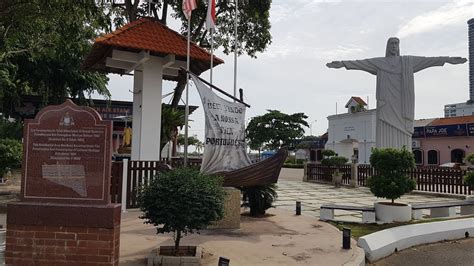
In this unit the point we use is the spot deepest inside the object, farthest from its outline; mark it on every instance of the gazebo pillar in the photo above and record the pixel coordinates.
(147, 91)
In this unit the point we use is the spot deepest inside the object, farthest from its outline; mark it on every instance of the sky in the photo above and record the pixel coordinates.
(291, 75)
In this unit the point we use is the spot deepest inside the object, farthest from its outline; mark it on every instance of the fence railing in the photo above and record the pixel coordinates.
(139, 173)
(323, 174)
(431, 179)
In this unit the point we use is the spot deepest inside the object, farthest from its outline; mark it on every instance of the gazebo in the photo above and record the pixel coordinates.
(153, 52)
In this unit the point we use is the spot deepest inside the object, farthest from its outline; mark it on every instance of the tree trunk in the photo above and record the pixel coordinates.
(178, 91)
(176, 242)
(164, 12)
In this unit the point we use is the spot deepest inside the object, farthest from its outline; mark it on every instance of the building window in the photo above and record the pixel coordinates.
(312, 155)
(418, 154)
(457, 155)
(432, 157)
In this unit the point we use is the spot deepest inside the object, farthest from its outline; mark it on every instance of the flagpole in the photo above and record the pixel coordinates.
(212, 53)
(235, 46)
(186, 120)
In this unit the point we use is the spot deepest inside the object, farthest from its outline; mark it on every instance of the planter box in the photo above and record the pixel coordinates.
(160, 256)
(388, 213)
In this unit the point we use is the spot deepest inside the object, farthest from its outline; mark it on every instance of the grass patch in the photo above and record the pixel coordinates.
(358, 229)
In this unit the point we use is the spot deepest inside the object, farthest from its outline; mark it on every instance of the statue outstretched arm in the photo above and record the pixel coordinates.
(421, 62)
(364, 65)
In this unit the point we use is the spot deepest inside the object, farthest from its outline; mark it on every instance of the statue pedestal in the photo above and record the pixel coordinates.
(231, 219)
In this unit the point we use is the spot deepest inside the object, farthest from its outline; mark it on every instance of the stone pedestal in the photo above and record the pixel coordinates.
(305, 172)
(354, 175)
(231, 218)
(60, 234)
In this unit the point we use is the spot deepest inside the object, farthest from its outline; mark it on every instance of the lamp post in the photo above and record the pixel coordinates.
(311, 127)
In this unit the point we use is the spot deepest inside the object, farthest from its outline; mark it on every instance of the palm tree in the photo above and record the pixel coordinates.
(171, 120)
(199, 146)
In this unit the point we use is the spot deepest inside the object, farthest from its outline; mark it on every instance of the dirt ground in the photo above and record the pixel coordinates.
(280, 238)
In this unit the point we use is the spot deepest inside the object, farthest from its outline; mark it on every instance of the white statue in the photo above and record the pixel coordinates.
(395, 90)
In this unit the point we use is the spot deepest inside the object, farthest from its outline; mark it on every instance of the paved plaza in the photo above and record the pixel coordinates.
(291, 188)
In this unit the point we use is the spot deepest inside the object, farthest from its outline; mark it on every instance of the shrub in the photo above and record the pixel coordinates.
(11, 153)
(259, 198)
(292, 165)
(469, 179)
(328, 153)
(292, 160)
(330, 158)
(334, 161)
(182, 201)
(391, 180)
(10, 130)
(470, 158)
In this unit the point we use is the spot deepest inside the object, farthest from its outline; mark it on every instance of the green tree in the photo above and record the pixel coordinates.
(275, 129)
(10, 130)
(171, 120)
(11, 152)
(391, 166)
(199, 146)
(182, 201)
(253, 28)
(192, 140)
(42, 47)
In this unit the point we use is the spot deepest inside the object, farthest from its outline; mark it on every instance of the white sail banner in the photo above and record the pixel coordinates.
(224, 144)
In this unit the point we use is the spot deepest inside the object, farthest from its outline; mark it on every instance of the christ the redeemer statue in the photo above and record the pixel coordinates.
(395, 91)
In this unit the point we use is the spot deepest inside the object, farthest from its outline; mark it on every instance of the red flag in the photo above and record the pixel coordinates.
(188, 7)
(211, 15)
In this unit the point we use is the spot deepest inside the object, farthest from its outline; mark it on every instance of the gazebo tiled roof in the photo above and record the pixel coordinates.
(147, 34)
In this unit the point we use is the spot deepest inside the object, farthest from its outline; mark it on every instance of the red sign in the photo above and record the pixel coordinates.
(67, 156)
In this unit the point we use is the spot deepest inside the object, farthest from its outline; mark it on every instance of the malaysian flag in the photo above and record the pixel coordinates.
(188, 7)
(211, 15)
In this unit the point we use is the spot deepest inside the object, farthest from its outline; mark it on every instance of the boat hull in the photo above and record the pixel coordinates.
(263, 173)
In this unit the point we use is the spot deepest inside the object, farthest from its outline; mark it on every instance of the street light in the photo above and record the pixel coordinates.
(311, 127)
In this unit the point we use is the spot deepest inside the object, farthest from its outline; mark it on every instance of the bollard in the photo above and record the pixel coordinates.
(298, 208)
(346, 238)
(223, 261)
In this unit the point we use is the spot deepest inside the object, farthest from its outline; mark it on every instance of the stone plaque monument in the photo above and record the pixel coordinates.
(67, 156)
(65, 215)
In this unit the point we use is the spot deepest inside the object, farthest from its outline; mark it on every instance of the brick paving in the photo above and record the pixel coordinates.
(291, 188)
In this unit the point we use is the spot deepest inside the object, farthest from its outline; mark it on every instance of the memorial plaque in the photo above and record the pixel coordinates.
(67, 156)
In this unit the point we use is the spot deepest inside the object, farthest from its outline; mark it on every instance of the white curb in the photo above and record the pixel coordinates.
(383, 243)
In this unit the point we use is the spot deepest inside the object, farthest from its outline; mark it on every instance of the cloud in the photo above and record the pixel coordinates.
(311, 52)
(449, 14)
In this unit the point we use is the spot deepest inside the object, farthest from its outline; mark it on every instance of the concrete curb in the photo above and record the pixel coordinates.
(383, 243)
(358, 259)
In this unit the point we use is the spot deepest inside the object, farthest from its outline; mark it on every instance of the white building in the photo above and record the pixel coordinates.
(352, 135)
(458, 109)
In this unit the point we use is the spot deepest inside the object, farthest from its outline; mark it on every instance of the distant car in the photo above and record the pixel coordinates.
(451, 165)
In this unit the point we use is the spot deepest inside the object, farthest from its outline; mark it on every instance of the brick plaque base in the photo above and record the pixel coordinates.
(60, 234)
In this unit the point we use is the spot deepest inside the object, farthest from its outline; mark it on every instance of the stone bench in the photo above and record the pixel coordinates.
(443, 209)
(327, 212)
